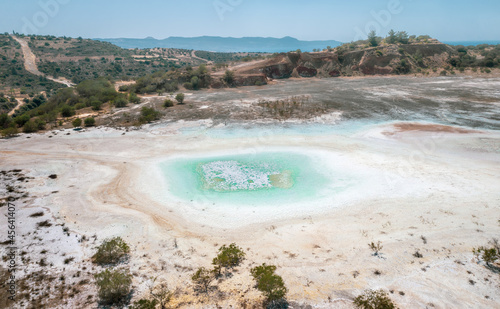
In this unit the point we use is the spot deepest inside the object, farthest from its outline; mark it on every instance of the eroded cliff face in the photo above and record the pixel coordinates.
(381, 60)
(384, 60)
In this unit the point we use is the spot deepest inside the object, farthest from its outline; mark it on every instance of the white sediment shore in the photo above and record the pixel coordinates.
(443, 186)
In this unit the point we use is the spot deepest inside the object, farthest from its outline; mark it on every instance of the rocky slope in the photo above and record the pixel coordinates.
(382, 60)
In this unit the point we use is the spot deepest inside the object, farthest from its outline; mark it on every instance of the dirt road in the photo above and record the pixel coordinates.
(30, 63)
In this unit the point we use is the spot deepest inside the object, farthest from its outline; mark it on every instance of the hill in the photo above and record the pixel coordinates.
(220, 44)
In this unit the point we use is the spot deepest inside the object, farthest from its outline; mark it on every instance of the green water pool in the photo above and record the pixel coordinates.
(262, 178)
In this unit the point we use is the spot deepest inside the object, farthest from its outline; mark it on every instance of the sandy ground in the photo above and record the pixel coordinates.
(430, 190)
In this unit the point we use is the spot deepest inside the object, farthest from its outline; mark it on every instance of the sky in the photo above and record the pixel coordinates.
(345, 21)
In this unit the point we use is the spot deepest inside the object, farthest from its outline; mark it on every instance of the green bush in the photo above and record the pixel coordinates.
(144, 304)
(488, 255)
(113, 285)
(179, 98)
(149, 114)
(120, 102)
(270, 284)
(80, 106)
(77, 122)
(67, 111)
(168, 103)
(40, 124)
(89, 122)
(133, 98)
(374, 300)
(21, 120)
(228, 77)
(96, 106)
(9, 132)
(111, 251)
(228, 257)
(30, 127)
(202, 279)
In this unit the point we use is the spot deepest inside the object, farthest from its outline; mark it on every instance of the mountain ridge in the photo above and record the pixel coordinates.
(224, 44)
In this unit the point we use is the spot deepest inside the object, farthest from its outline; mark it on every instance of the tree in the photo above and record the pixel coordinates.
(372, 38)
(111, 251)
(195, 82)
(374, 300)
(391, 38)
(270, 284)
(228, 77)
(179, 98)
(5, 121)
(228, 257)
(402, 37)
(202, 279)
(77, 122)
(21, 120)
(67, 111)
(113, 285)
(89, 122)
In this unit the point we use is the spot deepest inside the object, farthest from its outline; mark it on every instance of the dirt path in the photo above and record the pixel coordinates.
(30, 63)
(193, 55)
(20, 103)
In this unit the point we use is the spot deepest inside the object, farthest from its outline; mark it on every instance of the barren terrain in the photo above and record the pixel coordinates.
(429, 151)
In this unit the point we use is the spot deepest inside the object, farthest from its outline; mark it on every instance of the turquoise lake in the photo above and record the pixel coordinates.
(249, 179)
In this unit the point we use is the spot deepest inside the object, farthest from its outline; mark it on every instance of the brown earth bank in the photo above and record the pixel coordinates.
(429, 59)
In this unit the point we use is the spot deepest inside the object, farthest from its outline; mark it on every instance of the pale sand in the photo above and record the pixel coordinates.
(444, 186)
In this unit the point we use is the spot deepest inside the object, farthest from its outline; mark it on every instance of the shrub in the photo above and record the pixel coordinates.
(80, 106)
(21, 120)
(443, 73)
(9, 132)
(77, 122)
(376, 247)
(168, 103)
(67, 111)
(111, 251)
(30, 127)
(89, 122)
(96, 106)
(120, 102)
(270, 284)
(133, 98)
(374, 300)
(179, 98)
(202, 279)
(228, 257)
(144, 304)
(113, 285)
(488, 255)
(228, 77)
(149, 114)
(160, 293)
(40, 124)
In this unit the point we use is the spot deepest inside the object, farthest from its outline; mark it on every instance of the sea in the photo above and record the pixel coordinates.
(473, 43)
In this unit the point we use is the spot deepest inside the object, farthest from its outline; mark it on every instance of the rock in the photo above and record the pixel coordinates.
(306, 72)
